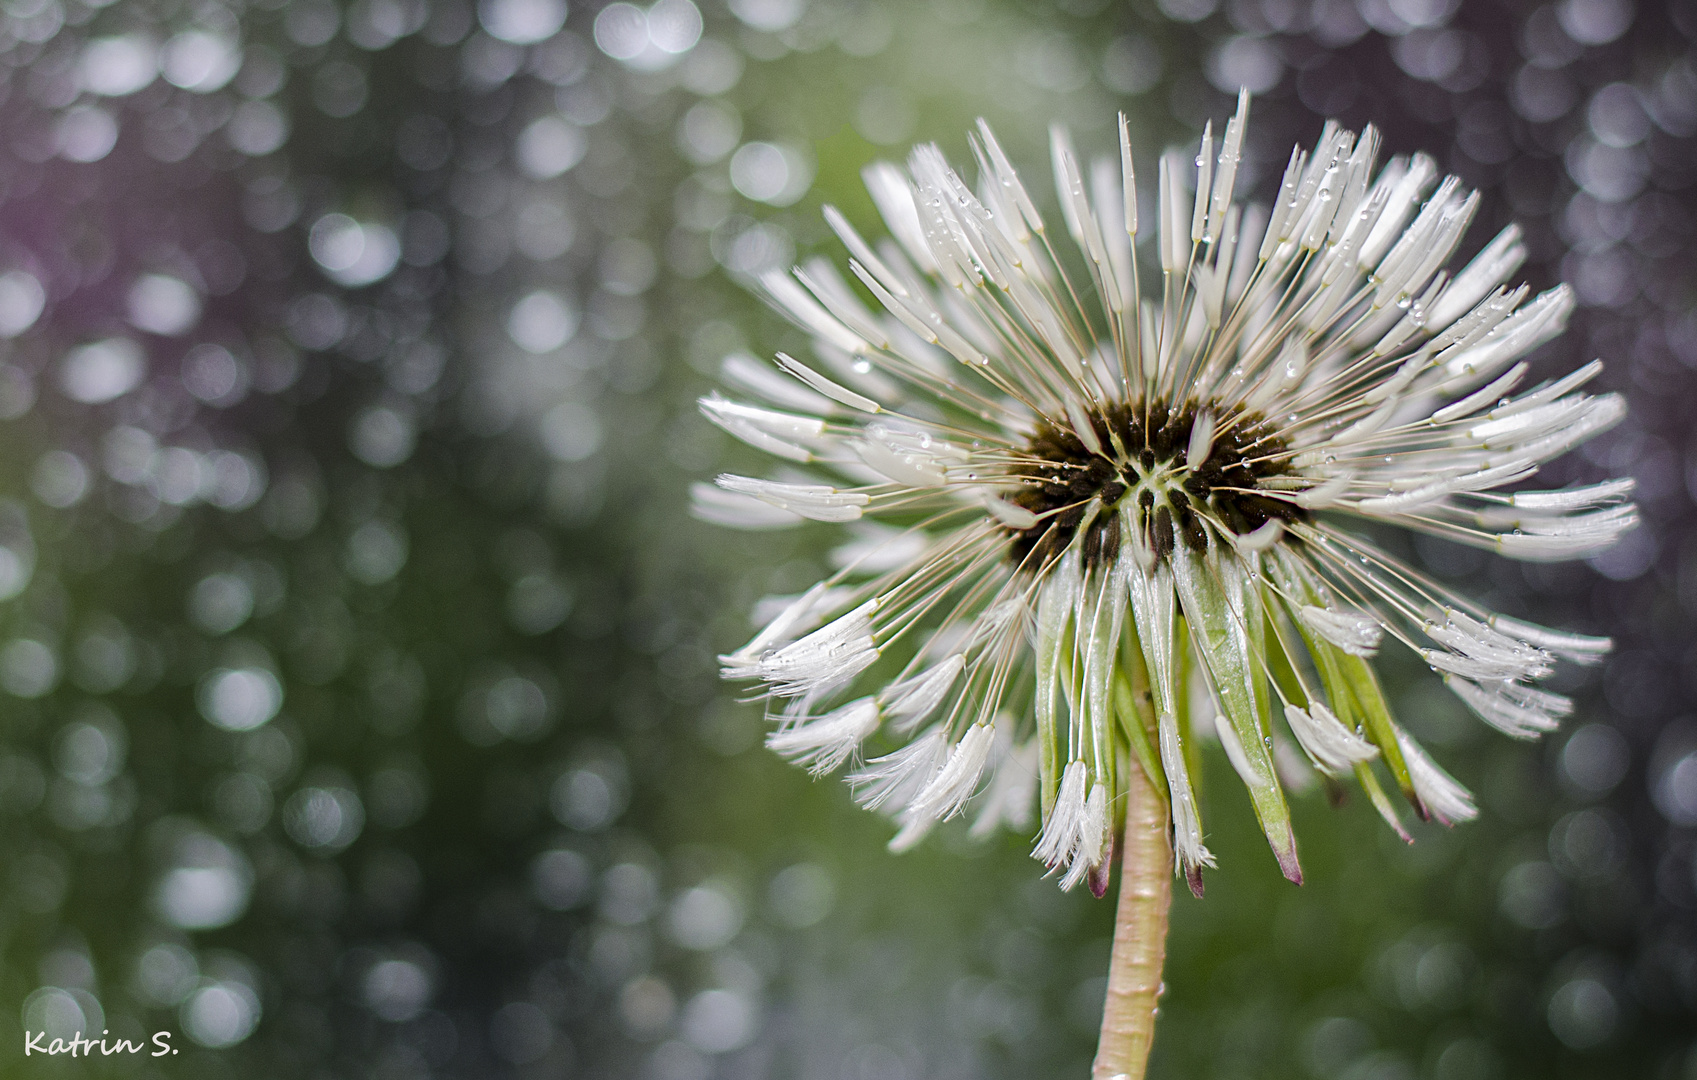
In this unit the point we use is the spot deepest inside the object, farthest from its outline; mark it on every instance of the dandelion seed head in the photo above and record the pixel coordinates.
(1102, 507)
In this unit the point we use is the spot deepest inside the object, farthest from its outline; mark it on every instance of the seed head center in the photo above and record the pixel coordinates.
(1135, 481)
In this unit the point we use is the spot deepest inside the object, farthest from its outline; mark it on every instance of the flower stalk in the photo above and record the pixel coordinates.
(1140, 934)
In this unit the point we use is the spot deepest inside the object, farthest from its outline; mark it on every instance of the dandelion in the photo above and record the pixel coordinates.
(1096, 520)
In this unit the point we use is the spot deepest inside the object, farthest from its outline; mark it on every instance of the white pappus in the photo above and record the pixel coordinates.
(1086, 480)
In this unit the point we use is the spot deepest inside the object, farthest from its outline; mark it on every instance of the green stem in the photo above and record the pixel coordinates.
(1140, 934)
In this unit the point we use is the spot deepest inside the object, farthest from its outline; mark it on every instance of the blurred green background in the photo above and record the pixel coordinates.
(357, 686)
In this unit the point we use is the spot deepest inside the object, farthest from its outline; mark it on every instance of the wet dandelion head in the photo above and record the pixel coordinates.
(1100, 512)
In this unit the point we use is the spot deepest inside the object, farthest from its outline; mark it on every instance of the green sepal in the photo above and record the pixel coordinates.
(1223, 605)
(1280, 664)
(1381, 729)
(1131, 722)
(1352, 686)
(1183, 713)
(1054, 646)
(1156, 687)
(1369, 782)
(1101, 615)
(1169, 746)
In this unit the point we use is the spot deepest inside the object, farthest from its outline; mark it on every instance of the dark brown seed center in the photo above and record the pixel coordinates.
(1141, 481)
